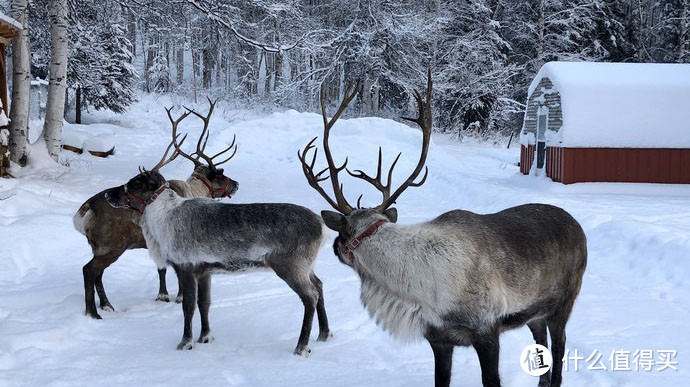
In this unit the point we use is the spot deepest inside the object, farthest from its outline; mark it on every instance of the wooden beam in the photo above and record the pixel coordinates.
(3, 80)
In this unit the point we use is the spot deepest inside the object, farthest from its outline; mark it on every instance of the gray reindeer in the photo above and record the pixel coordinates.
(202, 236)
(462, 278)
(111, 231)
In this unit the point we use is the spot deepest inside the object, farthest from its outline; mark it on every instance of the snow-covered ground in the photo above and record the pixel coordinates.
(635, 295)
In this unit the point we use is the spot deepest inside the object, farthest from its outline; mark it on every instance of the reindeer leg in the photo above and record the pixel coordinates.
(301, 283)
(443, 359)
(538, 328)
(204, 302)
(557, 331)
(104, 303)
(178, 298)
(106, 261)
(324, 331)
(309, 296)
(89, 283)
(162, 288)
(93, 274)
(487, 348)
(188, 305)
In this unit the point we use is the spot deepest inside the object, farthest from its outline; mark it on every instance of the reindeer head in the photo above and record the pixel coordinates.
(208, 173)
(349, 221)
(144, 188)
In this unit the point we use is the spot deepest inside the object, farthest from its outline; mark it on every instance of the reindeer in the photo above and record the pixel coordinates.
(111, 231)
(201, 236)
(462, 278)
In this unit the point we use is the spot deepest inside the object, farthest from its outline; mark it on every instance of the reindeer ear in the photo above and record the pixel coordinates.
(333, 220)
(391, 214)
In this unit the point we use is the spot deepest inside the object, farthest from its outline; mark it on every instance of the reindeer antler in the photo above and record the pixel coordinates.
(424, 120)
(203, 139)
(340, 203)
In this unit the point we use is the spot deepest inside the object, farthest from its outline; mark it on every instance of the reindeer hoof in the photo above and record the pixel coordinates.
(302, 351)
(163, 297)
(185, 344)
(94, 315)
(107, 307)
(178, 299)
(324, 336)
(205, 339)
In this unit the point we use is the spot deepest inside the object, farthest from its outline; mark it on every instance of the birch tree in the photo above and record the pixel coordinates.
(21, 83)
(55, 107)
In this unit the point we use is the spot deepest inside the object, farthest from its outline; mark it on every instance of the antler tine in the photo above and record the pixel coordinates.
(308, 169)
(234, 138)
(377, 181)
(174, 123)
(339, 203)
(424, 120)
(351, 92)
(163, 162)
(203, 138)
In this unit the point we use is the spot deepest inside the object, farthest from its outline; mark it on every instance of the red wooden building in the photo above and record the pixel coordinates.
(608, 122)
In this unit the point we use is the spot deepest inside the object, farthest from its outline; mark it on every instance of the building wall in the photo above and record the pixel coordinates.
(544, 95)
(630, 165)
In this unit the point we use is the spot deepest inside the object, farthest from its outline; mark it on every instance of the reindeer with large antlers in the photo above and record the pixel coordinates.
(111, 231)
(201, 236)
(462, 278)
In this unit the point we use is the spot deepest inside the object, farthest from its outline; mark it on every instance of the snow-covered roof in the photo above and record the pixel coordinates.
(638, 105)
(8, 20)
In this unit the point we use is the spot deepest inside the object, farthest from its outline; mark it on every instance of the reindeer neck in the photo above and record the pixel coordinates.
(196, 188)
(399, 258)
(165, 202)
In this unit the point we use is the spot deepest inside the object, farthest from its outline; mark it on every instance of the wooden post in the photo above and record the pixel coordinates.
(4, 147)
(3, 80)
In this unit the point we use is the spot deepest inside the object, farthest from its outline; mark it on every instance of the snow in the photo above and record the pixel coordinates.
(74, 137)
(100, 143)
(635, 294)
(635, 105)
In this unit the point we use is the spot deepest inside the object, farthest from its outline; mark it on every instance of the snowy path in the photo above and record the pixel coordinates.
(635, 294)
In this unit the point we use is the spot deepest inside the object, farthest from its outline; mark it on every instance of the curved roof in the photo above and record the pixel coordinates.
(638, 105)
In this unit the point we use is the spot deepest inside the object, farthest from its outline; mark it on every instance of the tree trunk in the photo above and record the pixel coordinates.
(77, 103)
(268, 60)
(179, 62)
(55, 108)
(150, 54)
(132, 32)
(206, 56)
(277, 70)
(21, 84)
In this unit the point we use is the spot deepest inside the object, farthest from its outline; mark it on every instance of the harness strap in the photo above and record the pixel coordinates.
(129, 197)
(215, 192)
(352, 245)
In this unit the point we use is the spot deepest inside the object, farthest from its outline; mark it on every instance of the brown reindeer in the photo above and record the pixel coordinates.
(462, 278)
(111, 231)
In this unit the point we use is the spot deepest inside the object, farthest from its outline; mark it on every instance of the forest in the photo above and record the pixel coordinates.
(277, 54)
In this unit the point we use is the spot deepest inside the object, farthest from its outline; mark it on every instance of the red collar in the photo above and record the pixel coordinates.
(129, 198)
(215, 192)
(352, 245)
